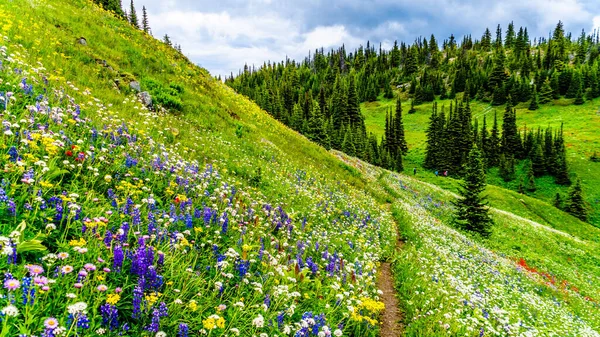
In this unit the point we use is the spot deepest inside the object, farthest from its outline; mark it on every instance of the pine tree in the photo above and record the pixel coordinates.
(316, 126)
(537, 160)
(521, 188)
(493, 151)
(530, 177)
(533, 105)
(399, 128)
(434, 140)
(545, 93)
(133, 16)
(579, 97)
(507, 167)
(472, 211)
(510, 135)
(145, 23)
(561, 170)
(412, 109)
(167, 40)
(575, 203)
(558, 201)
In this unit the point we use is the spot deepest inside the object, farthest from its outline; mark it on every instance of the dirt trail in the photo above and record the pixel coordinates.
(391, 320)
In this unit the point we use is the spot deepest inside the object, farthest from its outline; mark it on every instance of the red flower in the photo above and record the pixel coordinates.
(69, 153)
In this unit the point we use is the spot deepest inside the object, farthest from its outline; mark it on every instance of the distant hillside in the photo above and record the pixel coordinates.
(558, 74)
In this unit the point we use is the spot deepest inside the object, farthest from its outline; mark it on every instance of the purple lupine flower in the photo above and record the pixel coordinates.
(13, 153)
(155, 323)
(280, 319)
(118, 258)
(12, 207)
(110, 316)
(107, 238)
(267, 301)
(183, 330)
(243, 267)
(28, 291)
(138, 294)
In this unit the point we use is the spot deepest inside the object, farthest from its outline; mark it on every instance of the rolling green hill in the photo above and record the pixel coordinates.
(581, 125)
(202, 215)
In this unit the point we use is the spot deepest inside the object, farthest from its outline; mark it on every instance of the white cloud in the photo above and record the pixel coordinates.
(596, 22)
(223, 35)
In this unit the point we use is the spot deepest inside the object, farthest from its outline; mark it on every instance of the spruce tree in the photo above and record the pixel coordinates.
(575, 203)
(399, 128)
(561, 170)
(530, 177)
(167, 40)
(507, 167)
(316, 127)
(493, 151)
(545, 93)
(412, 109)
(579, 97)
(533, 105)
(133, 16)
(145, 23)
(472, 211)
(558, 201)
(537, 160)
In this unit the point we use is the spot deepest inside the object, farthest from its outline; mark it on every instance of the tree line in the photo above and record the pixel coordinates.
(131, 16)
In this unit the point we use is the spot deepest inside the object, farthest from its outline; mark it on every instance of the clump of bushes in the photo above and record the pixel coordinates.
(169, 97)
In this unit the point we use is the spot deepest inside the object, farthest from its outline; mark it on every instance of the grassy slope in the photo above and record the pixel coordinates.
(581, 125)
(267, 163)
(439, 269)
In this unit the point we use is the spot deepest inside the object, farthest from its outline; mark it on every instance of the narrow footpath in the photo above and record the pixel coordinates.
(392, 317)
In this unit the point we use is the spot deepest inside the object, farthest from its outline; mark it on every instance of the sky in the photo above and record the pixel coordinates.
(223, 35)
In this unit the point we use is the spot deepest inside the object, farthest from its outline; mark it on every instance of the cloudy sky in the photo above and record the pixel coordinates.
(223, 35)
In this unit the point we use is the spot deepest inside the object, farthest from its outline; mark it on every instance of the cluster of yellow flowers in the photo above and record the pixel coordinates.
(80, 243)
(113, 298)
(214, 321)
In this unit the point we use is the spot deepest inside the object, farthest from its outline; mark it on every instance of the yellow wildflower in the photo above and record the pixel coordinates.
(81, 242)
(194, 306)
(221, 322)
(113, 298)
(151, 299)
(209, 323)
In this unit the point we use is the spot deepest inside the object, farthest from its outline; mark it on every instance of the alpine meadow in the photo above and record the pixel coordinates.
(433, 188)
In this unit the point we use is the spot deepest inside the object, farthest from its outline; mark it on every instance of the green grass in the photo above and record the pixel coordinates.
(581, 130)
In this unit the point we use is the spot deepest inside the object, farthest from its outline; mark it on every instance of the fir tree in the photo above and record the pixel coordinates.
(537, 160)
(472, 211)
(558, 201)
(167, 40)
(316, 127)
(561, 171)
(521, 188)
(530, 177)
(412, 109)
(533, 105)
(545, 93)
(133, 16)
(575, 203)
(507, 167)
(493, 150)
(399, 128)
(145, 23)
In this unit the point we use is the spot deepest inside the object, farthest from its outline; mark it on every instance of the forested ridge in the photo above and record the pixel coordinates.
(320, 95)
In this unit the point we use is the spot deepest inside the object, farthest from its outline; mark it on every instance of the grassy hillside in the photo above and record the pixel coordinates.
(213, 217)
(581, 125)
(526, 279)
